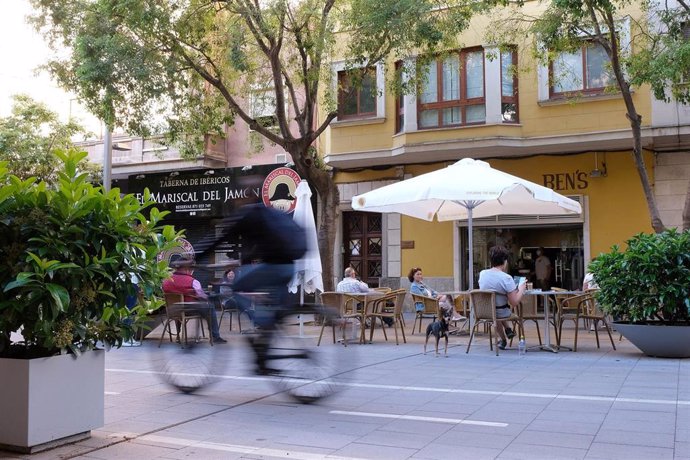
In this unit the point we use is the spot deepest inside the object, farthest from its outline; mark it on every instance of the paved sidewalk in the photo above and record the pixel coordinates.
(399, 403)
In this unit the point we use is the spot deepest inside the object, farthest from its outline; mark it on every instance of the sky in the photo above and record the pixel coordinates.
(22, 50)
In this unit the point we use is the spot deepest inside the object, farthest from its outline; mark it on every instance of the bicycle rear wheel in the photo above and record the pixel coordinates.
(302, 370)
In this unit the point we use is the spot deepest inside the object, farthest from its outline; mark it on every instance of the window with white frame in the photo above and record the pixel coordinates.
(452, 90)
(586, 70)
(263, 107)
(356, 94)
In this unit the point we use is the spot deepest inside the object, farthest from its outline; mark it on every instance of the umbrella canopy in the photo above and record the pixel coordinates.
(469, 188)
(308, 268)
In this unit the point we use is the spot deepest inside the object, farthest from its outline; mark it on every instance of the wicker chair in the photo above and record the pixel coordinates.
(346, 314)
(181, 316)
(431, 310)
(527, 311)
(483, 306)
(381, 310)
(583, 307)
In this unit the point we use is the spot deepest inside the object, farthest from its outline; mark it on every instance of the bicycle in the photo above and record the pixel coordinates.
(283, 355)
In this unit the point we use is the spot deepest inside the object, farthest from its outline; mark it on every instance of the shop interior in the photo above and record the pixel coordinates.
(562, 244)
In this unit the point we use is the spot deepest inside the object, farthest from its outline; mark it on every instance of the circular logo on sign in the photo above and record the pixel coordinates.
(279, 188)
(183, 248)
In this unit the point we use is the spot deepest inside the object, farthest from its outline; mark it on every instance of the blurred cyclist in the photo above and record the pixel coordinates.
(271, 242)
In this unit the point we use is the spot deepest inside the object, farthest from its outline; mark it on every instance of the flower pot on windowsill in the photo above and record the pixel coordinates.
(47, 402)
(657, 339)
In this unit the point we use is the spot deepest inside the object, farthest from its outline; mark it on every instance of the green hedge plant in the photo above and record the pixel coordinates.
(70, 255)
(649, 281)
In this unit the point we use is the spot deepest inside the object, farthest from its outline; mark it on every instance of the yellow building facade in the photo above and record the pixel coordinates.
(579, 147)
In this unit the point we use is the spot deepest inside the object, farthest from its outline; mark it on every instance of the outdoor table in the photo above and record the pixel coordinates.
(547, 334)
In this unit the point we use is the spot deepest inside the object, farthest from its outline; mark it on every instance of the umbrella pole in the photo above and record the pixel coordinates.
(301, 302)
(470, 247)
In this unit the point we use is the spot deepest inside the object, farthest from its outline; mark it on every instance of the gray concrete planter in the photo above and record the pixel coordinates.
(46, 402)
(657, 339)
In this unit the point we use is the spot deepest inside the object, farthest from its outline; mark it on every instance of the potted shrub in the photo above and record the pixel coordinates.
(70, 254)
(646, 287)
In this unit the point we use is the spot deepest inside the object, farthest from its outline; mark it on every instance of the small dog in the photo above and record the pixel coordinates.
(438, 328)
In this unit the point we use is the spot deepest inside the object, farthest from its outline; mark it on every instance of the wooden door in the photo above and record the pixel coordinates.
(363, 241)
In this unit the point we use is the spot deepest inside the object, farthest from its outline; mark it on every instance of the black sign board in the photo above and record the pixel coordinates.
(202, 193)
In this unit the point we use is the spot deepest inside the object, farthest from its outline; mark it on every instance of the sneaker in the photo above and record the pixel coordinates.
(510, 333)
(502, 344)
(219, 340)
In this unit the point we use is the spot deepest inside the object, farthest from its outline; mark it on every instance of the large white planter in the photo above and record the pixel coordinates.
(46, 402)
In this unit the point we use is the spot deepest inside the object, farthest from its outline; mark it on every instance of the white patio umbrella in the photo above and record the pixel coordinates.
(464, 190)
(307, 269)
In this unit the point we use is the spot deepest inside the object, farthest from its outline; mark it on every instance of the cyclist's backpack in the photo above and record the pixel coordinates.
(272, 235)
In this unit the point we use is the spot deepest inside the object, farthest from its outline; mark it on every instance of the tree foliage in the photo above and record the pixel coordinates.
(197, 62)
(29, 137)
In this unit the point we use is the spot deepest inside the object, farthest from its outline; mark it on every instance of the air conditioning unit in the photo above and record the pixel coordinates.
(281, 158)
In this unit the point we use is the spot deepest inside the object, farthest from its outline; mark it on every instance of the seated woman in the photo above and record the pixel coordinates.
(418, 287)
(498, 280)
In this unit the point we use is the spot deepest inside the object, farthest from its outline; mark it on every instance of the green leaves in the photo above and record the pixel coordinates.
(649, 280)
(69, 257)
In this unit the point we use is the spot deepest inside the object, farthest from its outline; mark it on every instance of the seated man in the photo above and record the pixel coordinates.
(350, 284)
(182, 282)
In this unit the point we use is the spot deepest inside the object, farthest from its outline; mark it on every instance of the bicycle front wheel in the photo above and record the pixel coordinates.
(302, 370)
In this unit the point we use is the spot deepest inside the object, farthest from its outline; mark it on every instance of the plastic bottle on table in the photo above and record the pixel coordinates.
(522, 348)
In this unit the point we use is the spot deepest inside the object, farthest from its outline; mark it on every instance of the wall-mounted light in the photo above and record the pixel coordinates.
(289, 164)
(174, 174)
(596, 172)
(210, 172)
(140, 176)
(246, 168)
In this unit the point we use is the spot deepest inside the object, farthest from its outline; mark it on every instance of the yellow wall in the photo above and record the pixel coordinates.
(433, 247)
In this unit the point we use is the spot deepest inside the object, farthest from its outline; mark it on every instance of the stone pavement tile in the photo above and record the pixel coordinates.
(129, 450)
(635, 438)
(132, 426)
(642, 415)
(512, 429)
(550, 414)
(608, 451)
(682, 435)
(524, 406)
(364, 451)
(457, 437)
(498, 415)
(564, 426)
(618, 423)
(521, 451)
(682, 448)
(647, 407)
(409, 440)
(556, 439)
(580, 405)
(436, 451)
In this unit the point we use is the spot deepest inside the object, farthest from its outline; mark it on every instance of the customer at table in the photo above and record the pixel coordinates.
(418, 287)
(498, 280)
(351, 284)
(182, 282)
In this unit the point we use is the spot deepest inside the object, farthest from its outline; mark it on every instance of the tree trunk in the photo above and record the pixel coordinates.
(657, 223)
(686, 209)
(328, 209)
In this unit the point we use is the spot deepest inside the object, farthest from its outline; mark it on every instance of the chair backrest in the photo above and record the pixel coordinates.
(332, 299)
(483, 304)
(528, 305)
(462, 303)
(590, 306)
(431, 306)
(385, 290)
(573, 303)
(171, 299)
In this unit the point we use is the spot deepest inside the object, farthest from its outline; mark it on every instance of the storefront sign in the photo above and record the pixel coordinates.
(566, 181)
(215, 193)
